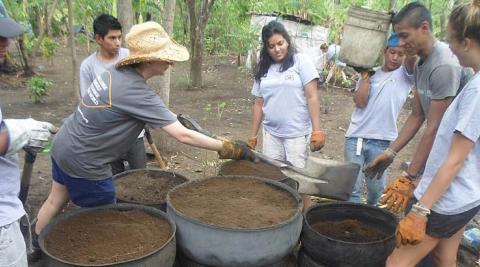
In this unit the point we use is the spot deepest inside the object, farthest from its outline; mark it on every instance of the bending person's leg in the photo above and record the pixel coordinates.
(56, 201)
(445, 253)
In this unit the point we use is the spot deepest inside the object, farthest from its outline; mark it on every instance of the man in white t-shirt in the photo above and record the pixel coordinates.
(378, 101)
(108, 35)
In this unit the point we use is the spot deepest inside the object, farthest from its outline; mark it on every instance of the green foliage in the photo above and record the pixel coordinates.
(49, 47)
(38, 87)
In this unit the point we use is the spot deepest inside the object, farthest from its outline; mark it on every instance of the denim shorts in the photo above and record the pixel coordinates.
(84, 192)
(445, 226)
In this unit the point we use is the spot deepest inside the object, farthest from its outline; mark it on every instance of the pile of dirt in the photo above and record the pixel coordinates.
(246, 167)
(146, 187)
(235, 202)
(349, 230)
(107, 236)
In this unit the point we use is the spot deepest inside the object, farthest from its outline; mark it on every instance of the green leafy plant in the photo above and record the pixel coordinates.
(346, 83)
(38, 88)
(49, 47)
(220, 109)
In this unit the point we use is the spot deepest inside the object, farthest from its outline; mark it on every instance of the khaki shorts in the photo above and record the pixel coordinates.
(292, 150)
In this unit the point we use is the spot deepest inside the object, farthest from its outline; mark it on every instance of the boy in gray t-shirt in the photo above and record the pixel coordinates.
(108, 33)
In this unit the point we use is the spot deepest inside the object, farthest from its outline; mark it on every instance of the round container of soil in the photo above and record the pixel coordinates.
(348, 234)
(259, 169)
(146, 186)
(235, 220)
(112, 235)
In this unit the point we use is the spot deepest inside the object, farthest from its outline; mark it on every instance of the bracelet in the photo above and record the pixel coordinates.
(410, 177)
(391, 151)
(420, 209)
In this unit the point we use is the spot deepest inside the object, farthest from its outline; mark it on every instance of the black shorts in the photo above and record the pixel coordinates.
(445, 226)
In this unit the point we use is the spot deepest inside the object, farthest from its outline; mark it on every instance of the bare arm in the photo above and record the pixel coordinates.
(257, 116)
(459, 150)
(435, 114)
(189, 137)
(360, 97)
(3, 142)
(411, 126)
(311, 93)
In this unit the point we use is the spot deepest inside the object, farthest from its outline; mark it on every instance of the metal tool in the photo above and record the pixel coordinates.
(320, 177)
(30, 157)
(155, 151)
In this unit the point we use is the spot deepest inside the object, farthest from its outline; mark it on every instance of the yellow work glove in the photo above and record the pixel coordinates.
(398, 193)
(317, 140)
(252, 142)
(412, 229)
(379, 164)
(236, 150)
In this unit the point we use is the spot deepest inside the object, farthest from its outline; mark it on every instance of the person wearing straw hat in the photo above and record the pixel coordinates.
(115, 109)
(15, 134)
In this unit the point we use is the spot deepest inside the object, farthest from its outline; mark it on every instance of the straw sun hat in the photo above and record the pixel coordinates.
(149, 42)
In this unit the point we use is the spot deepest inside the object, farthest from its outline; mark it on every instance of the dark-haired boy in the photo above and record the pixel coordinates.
(108, 35)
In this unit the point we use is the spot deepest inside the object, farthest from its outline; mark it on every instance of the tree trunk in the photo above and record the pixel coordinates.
(75, 81)
(198, 22)
(27, 70)
(125, 15)
(42, 32)
(168, 19)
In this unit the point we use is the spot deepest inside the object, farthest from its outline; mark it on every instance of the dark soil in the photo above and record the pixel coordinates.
(107, 237)
(348, 230)
(245, 167)
(146, 187)
(235, 202)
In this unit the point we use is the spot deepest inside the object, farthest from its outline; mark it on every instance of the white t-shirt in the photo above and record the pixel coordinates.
(378, 120)
(333, 52)
(285, 109)
(462, 116)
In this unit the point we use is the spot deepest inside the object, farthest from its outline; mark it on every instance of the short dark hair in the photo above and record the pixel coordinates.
(104, 23)
(273, 27)
(415, 13)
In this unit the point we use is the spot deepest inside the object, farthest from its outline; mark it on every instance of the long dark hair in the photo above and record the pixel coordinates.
(273, 27)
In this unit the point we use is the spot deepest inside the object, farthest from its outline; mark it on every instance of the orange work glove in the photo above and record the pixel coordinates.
(412, 229)
(398, 193)
(317, 140)
(252, 142)
(379, 164)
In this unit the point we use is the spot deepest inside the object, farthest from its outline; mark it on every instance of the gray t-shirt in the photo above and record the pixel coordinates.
(437, 77)
(462, 116)
(114, 110)
(11, 208)
(387, 94)
(285, 109)
(91, 67)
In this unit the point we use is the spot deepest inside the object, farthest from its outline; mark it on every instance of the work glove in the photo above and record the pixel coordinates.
(317, 140)
(364, 72)
(252, 142)
(379, 164)
(236, 150)
(397, 194)
(412, 229)
(28, 133)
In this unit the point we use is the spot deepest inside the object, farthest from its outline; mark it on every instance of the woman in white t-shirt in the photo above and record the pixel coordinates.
(286, 102)
(447, 197)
